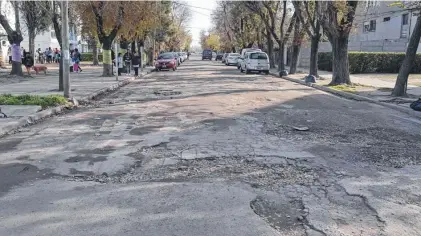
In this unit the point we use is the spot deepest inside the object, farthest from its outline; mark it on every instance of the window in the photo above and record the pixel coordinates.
(405, 19)
(386, 19)
(373, 25)
(369, 26)
(53, 34)
(258, 55)
(366, 27)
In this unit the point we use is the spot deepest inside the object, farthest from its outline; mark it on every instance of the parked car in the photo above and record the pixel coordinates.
(243, 54)
(180, 55)
(232, 59)
(184, 55)
(179, 60)
(219, 56)
(224, 57)
(255, 61)
(166, 61)
(207, 54)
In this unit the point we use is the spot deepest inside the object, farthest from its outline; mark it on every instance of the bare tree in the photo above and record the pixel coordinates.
(307, 14)
(296, 46)
(268, 10)
(411, 51)
(336, 18)
(36, 15)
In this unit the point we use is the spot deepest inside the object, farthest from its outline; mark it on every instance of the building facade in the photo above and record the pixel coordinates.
(378, 27)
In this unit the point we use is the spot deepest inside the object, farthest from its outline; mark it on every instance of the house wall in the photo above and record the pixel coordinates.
(44, 40)
(386, 37)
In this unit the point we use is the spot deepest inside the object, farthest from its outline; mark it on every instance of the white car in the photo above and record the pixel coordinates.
(243, 54)
(184, 55)
(255, 61)
(232, 58)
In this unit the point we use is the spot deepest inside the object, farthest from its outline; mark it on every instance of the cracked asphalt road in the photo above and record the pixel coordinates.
(207, 150)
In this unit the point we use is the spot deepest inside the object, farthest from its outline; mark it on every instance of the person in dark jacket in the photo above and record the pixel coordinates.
(136, 63)
(28, 62)
(127, 59)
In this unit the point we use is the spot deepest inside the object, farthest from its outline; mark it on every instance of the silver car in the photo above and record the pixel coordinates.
(255, 61)
(231, 59)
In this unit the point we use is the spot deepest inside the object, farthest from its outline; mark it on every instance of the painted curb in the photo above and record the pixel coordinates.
(31, 119)
(352, 96)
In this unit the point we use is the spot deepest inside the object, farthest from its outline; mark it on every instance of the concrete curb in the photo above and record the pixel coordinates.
(41, 115)
(352, 96)
(31, 119)
(122, 83)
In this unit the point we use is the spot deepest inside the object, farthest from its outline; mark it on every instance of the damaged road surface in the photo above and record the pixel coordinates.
(207, 150)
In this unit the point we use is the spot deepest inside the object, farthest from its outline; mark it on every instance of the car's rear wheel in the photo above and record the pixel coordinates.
(266, 72)
(174, 68)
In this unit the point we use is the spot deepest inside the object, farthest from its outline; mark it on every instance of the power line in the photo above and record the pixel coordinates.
(200, 13)
(208, 9)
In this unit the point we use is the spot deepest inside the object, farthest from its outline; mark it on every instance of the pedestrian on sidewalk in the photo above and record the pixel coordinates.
(28, 62)
(127, 59)
(50, 55)
(76, 59)
(119, 63)
(136, 63)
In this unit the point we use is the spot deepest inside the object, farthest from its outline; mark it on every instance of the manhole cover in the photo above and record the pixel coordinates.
(166, 93)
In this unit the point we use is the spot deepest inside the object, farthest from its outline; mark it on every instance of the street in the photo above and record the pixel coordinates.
(207, 150)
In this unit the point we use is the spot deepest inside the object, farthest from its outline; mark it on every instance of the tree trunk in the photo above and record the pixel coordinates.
(270, 49)
(106, 54)
(340, 62)
(314, 55)
(95, 60)
(233, 49)
(281, 60)
(408, 62)
(294, 58)
(32, 44)
(296, 46)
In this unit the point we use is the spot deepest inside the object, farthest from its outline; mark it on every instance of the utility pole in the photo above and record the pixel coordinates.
(116, 58)
(65, 49)
(154, 34)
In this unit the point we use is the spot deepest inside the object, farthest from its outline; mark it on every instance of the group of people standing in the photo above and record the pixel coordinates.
(127, 61)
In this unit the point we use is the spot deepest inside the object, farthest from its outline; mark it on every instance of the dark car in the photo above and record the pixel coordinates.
(207, 54)
(219, 56)
(166, 61)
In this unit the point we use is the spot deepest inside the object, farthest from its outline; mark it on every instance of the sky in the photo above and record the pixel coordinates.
(201, 19)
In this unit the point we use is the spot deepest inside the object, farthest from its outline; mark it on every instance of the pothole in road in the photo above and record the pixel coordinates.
(257, 175)
(285, 216)
(165, 92)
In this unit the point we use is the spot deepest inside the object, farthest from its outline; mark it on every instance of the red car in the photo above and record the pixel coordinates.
(166, 61)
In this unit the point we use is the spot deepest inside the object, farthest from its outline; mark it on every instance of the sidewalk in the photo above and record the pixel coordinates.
(84, 85)
(381, 83)
(374, 88)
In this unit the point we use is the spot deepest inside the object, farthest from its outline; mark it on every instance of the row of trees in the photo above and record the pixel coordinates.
(272, 25)
(101, 23)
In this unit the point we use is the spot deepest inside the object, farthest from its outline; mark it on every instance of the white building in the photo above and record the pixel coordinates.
(43, 40)
(381, 27)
